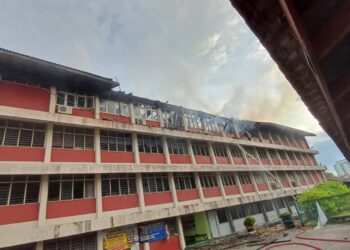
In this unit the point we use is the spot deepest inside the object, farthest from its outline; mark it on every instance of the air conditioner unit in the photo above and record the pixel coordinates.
(64, 109)
(140, 121)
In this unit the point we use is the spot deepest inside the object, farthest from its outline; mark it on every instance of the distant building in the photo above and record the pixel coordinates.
(342, 167)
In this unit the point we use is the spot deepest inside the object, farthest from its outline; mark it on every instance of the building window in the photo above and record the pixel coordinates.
(118, 184)
(275, 138)
(150, 144)
(273, 155)
(211, 124)
(262, 153)
(73, 138)
(75, 100)
(200, 148)
(220, 150)
(236, 152)
(184, 181)
(252, 208)
(208, 180)
(157, 182)
(282, 177)
(244, 178)
(228, 179)
(250, 153)
(259, 178)
(22, 134)
(222, 216)
(265, 135)
(283, 155)
(19, 189)
(292, 179)
(177, 146)
(193, 121)
(291, 156)
(280, 203)
(145, 112)
(273, 181)
(83, 241)
(238, 212)
(268, 207)
(116, 108)
(71, 187)
(115, 141)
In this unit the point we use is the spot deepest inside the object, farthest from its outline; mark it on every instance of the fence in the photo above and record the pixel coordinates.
(336, 208)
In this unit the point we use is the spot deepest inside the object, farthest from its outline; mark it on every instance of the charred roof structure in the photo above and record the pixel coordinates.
(310, 42)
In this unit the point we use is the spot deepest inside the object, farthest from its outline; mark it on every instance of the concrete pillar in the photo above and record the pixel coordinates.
(288, 179)
(270, 137)
(289, 160)
(211, 153)
(190, 151)
(43, 195)
(296, 158)
(267, 181)
(275, 208)
(229, 155)
(221, 185)
(97, 142)
(251, 175)
(268, 156)
(173, 189)
(257, 156)
(199, 186)
(181, 233)
(261, 139)
(53, 97)
(48, 142)
(98, 195)
(160, 118)
(279, 157)
(39, 245)
(279, 138)
(97, 107)
(140, 192)
(132, 113)
(238, 183)
(166, 150)
(135, 147)
(312, 177)
(100, 240)
(244, 154)
(305, 178)
(287, 140)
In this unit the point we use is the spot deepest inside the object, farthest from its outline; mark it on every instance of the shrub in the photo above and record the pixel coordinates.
(285, 215)
(249, 221)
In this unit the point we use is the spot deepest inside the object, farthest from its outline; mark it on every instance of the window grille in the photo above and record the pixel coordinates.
(177, 146)
(273, 155)
(200, 148)
(71, 187)
(220, 150)
(184, 181)
(262, 153)
(259, 178)
(115, 141)
(72, 138)
(208, 180)
(157, 182)
(283, 155)
(265, 135)
(236, 152)
(118, 184)
(250, 153)
(75, 100)
(112, 107)
(150, 144)
(291, 156)
(244, 178)
(22, 134)
(19, 189)
(80, 242)
(228, 179)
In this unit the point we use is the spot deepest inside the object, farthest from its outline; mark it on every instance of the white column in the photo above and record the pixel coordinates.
(221, 185)
(166, 150)
(305, 178)
(44, 187)
(97, 107)
(312, 177)
(268, 156)
(53, 96)
(267, 181)
(296, 158)
(173, 189)
(229, 155)
(279, 138)
(48, 142)
(244, 155)
(289, 160)
(160, 118)
(132, 113)
(260, 137)
(39, 245)
(279, 157)
(190, 151)
(199, 186)
(140, 193)
(257, 155)
(287, 177)
(100, 240)
(181, 233)
(98, 194)
(135, 147)
(97, 142)
(211, 153)
(238, 183)
(252, 177)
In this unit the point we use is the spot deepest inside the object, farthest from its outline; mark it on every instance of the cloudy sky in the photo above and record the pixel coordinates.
(198, 54)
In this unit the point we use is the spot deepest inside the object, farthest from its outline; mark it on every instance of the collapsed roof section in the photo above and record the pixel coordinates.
(310, 42)
(22, 68)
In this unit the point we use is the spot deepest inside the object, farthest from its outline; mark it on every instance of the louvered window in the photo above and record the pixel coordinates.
(73, 138)
(236, 152)
(19, 189)
(184, 181)
(208, 180)
(244, 178)
(71, 187)
(200, 148)
(80, 242)
(157, 182)
(118, 184)
(22, 134)
(150, 144)
(114, 141)
(219, 150)
(177, 146)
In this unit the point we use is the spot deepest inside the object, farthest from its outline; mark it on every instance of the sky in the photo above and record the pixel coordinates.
(198, 54)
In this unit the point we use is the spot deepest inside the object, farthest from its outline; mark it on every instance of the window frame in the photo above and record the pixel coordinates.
(62, 133)
(76, 96)
(118, 178)
(153, 179)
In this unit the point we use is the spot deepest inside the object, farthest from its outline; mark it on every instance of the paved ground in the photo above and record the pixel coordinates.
(328, 232)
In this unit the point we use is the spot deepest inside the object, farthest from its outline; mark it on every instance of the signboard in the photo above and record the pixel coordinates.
(153, 232)
(121, 238)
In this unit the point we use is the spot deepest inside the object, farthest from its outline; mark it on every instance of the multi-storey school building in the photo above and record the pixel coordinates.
(85, 167)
